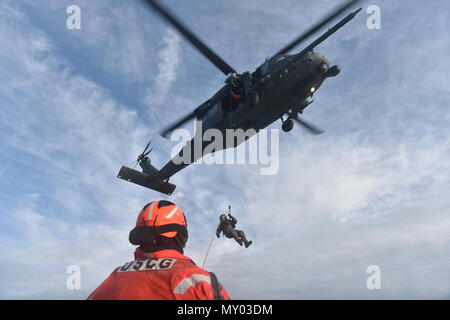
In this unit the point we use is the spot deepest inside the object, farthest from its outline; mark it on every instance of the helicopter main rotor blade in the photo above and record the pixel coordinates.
(198, 113)
(317, 26)
(308, 126)
(143, 154)
(177, 124)
(312, 129)
(207, 52)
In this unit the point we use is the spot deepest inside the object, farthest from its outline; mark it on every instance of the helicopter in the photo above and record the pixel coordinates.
(280, 88)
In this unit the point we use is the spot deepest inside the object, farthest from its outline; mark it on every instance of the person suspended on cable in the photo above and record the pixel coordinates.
(160, 270)
(227, 226)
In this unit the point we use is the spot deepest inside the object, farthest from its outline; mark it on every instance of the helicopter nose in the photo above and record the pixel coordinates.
(321, 63)
(320, 58)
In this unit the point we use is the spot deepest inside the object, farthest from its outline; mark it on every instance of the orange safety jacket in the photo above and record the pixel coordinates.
(161, 275)
(239, 98)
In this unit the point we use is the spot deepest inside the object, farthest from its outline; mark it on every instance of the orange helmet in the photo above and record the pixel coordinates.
(159, 219)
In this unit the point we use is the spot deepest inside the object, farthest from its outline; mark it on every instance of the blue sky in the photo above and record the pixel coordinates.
(372, 190)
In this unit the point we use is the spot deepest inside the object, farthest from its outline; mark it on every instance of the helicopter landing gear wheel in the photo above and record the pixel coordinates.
(287, 125)
(253, 98)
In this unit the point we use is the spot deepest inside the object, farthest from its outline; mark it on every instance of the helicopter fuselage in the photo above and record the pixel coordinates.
(281, 86)
(282, 83)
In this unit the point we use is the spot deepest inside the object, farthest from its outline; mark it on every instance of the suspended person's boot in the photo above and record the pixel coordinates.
(243, 237)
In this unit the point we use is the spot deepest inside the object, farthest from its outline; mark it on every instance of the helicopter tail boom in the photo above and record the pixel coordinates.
(146, 180)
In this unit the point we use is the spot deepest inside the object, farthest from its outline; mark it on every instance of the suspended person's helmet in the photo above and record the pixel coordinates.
(160, 225)
(222, 215)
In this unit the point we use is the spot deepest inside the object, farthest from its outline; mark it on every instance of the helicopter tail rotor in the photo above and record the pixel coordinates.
(143, 154)
(149, 177)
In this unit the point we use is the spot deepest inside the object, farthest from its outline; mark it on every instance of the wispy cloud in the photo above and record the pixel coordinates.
(167, 66)
(329, 260)
(63, 140)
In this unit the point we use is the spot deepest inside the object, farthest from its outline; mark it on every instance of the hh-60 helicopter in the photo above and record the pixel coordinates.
(281, 86)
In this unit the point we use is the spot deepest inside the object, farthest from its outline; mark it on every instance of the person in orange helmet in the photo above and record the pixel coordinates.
(160, 271)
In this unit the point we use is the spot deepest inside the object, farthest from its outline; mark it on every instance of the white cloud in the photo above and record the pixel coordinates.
(72, 137)
(167, 66)
(329, 260)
